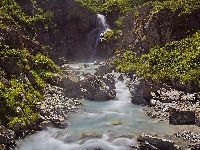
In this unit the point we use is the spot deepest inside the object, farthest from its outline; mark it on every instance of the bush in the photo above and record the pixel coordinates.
(176, 61)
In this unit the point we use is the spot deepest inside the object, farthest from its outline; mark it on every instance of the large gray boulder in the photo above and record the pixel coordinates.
(140, 90)
(99, 87)
(71, 85)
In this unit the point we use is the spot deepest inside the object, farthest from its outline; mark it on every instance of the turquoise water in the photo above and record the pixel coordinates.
(109, 125)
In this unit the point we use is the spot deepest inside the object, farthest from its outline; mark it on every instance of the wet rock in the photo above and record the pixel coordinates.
(96, 62)
(181, 117)
(140, 90)
(85, 65)
(120, 78)
(99, 87)
(155, 142)
(138, 100)
(71, 85)
(103, 69)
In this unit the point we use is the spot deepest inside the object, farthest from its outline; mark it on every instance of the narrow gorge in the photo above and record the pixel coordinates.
(99, 75)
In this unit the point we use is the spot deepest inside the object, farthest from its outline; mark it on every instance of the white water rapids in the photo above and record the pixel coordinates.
(108, 125)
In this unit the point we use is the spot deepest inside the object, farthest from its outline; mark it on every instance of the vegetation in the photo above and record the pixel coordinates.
(179, 6)
(110, 6)
(176, 61)
(24, 66)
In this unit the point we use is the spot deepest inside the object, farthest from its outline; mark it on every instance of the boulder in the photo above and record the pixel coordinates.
(103, 69)
(71, 85)
(155, 142)
(140, 90)
(121, 78)
(181, 117)
(99, 87)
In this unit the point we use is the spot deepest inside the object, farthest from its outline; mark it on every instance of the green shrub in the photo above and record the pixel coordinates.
(176, 61)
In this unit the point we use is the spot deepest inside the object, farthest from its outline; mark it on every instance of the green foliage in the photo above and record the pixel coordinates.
(18, 98)
(110, 6)
(11, 10)
(44, 62)
(176, 61)
(18, 103)
(179, 6)
(112, 35)
(126, 62)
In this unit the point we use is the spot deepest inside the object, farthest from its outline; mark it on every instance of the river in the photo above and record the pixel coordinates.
(107, 125)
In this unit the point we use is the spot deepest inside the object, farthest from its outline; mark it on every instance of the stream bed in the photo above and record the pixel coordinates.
(106, 125)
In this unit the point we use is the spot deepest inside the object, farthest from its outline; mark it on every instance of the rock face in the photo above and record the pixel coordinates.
(140, 90)
(73, 25)
(99, 87)
(7, 138)
(160, 28)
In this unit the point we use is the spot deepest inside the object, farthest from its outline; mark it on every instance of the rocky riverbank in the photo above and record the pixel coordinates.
(53, 112)
(177, 107)
(169, 105)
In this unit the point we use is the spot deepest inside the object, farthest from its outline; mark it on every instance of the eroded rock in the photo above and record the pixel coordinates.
(99, 87)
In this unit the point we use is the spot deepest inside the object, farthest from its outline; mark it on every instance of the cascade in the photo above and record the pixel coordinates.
(95, 35)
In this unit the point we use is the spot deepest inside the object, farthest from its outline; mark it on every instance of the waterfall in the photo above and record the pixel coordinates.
(95, 35)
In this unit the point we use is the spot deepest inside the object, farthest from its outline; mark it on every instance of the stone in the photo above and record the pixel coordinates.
(71, 85)
(96, 62)
(2, 147)
(153, 102)
(181, 117)
(103, 69)
(6, 135)
(156, 142)
(140, 90)
(98, 87)
(194, 146)
(121, 78)
(138, 100)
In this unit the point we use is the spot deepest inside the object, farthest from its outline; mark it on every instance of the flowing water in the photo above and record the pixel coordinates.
(108, 125)
(95, 35)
